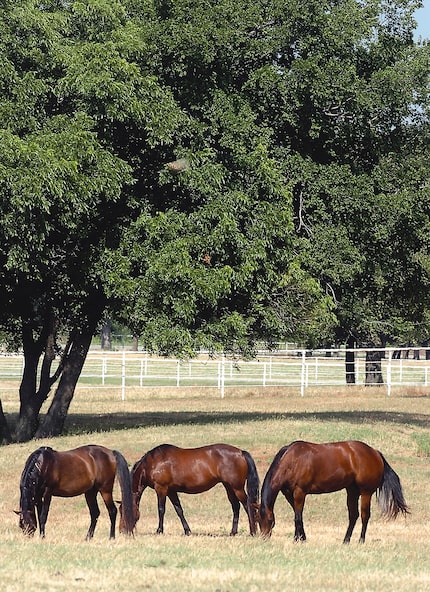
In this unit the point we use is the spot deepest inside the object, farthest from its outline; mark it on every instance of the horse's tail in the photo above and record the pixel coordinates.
(252, 490)
(126, 493)
(390, 494)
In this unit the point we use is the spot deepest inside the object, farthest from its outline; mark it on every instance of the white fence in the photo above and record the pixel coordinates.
(299, 369)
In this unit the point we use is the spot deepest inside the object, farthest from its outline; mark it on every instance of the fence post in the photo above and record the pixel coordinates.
(302, 387)
(123, 376)
(222, 376)
(390, 355)
(141, 373)
(178, 373)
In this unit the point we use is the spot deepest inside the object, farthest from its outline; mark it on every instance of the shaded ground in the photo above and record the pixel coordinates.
(82, 423)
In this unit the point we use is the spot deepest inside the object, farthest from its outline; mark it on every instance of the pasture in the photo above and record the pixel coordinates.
(396, 555)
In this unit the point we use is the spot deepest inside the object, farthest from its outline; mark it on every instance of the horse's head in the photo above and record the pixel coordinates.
(27, 521)
(266, 520)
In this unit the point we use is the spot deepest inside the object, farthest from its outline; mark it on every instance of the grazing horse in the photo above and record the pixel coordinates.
(168, 470)
(86, 470)
(302, 468)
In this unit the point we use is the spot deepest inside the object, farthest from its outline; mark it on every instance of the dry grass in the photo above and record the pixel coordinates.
(395, 556)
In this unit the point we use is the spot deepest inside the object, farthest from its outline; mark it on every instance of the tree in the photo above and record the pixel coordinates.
(50, 278)
(65, 190)
(201, 172)
(349, 98)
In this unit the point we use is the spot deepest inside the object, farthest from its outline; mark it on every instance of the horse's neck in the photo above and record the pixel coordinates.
(138, 480)
(269, 493)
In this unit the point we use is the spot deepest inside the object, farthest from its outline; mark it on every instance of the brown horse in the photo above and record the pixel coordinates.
(302, 468)
(168, 470)
(86, 470)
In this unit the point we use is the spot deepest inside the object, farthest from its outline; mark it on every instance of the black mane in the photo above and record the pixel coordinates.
(267, 492)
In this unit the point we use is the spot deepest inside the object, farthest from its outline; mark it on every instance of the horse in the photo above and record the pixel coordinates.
(303, 468)
(85, 470)
(169, 470)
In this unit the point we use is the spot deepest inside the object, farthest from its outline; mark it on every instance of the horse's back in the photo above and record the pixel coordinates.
(368, 464)
(320, 468)
(75, 471)
(175, 455)
(191, 470)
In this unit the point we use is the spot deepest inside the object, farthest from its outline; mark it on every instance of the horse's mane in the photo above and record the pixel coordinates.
(160, 447)
(30, 477)
(277, 458)
(266, 491)
(137, 463)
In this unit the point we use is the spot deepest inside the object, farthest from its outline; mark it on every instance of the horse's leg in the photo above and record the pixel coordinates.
(352, 495)
(235, 506)
(91, 498)
(173, 497)
(136, 503)
(365, 514)
(243, 499)
(42, 513)
(161, 500)
(112, 510)
(298, 505)
(299, 533)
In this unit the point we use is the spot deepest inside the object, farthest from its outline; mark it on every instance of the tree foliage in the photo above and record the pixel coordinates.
(212, 174)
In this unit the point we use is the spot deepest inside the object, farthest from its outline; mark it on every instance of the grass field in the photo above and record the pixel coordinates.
(396, 555)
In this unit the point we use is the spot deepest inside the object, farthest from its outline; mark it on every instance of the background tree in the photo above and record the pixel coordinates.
(64, 188)
(202, 171)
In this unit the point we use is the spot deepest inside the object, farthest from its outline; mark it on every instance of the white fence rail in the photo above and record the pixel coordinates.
(300, 369)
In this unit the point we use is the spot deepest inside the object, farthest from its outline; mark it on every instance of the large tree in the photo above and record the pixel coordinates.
(198, 170)
(70, 90)
(336, 94)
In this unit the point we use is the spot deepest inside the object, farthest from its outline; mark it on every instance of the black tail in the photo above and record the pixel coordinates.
(252, 490)
(126, 494)
(390, 494)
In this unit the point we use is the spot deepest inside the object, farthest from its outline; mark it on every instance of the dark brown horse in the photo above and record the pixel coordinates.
(302, 468)
(170, 470)
(86, 470)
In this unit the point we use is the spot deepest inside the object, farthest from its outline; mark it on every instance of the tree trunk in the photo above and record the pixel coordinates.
(31, 400)
(135, 343)
(5, 436)
(374, 368)
(106, 335)
(54, 420)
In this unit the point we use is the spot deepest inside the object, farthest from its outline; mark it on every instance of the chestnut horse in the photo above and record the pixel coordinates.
(169, 470)
(86, 470)
(302, 468)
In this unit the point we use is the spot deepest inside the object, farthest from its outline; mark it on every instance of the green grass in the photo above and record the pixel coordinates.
(396, 555)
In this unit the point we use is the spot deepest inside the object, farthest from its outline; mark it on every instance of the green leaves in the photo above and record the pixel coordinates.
(296, 122)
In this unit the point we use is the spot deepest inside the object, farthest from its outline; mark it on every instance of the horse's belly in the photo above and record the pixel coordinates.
(72, 487)
(197, 487)
(335, 483)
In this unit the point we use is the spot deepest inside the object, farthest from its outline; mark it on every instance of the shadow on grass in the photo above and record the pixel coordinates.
(85, 423)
